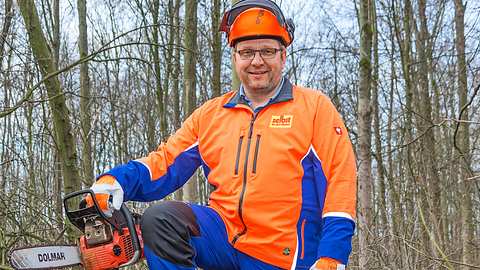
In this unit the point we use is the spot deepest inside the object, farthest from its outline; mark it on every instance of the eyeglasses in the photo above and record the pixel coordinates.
(266, 53)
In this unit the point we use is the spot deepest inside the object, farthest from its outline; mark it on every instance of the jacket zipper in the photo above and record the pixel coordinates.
(303, 238)
(244, 187)
(239, 149)
(257, 146)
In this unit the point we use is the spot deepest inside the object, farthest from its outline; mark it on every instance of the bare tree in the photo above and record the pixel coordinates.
(364, 131)
(190, 36)
(160, 91)
(431, 184)
(235, 80)
(61, 116)
(176, 93)
(85, 96)
(216, 49)
(7, 23)
(463, 141)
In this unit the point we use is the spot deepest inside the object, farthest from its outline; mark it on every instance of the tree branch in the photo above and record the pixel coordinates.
(87, 58)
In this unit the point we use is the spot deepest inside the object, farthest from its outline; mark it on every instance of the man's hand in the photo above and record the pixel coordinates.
(105, 187)
(327, 264)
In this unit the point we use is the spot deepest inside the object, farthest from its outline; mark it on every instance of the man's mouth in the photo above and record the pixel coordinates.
(257, 72)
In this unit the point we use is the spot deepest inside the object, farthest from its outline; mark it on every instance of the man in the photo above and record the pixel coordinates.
(278, 156)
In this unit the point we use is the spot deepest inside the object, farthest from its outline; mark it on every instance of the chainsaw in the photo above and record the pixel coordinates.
(106, 242)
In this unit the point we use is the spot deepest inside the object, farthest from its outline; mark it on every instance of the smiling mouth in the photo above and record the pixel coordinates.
(258, 72)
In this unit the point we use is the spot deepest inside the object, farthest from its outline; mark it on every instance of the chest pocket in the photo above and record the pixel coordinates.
(239, 152)
(257, 142)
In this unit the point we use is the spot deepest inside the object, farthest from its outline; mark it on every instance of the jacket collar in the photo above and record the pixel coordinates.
(285, 94)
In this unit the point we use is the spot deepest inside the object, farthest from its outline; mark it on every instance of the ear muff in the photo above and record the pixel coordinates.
(230, 16)
(290, 26)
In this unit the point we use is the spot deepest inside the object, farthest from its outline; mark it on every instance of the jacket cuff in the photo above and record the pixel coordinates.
(129, 176)
(336, 242)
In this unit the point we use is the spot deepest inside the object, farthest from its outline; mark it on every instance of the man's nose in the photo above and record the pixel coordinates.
(257, 59)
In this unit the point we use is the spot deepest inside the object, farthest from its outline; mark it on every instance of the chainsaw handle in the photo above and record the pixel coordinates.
(98, 211)
(133, 234)
(73, 216)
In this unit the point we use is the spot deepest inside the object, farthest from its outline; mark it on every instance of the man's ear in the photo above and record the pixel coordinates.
(284, 55)
(233, 53)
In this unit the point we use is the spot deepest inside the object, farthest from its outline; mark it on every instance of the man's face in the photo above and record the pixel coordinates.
(259, 75)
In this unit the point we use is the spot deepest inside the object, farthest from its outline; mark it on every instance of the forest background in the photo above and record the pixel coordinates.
(87, 86)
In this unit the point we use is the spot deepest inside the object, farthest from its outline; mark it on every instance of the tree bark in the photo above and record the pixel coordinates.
(216, 49)
(85, 98)
(235, 79)
(56, 32)
(7, 23)
(190, 36)
(377, 130)
(156, 64)
(431, 193)
(463, 141)
(57, 102)
(178, 195)
(176, 69)
(364, 132)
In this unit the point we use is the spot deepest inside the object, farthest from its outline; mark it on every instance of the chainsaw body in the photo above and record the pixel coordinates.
(106, 242)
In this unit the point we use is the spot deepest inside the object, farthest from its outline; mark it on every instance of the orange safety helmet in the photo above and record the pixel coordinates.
(249, 19)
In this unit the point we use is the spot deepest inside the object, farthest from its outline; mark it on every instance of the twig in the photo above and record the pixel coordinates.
(473, 178)
(438, 259)
(420, 136)
(6, 162)
(87, 58)
(464, 108)
(444, 257)
(60, 235)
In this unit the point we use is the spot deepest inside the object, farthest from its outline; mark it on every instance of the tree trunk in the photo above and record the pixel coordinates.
(61, 116)
(85, 98)
(176, 69)
(190, 36)
(431, 192)
(178, 195)
(377, 132)
(364, 132)
(7, 23)
(216, 49)
(169, 55)
(405, 167)
(156, 64)
(56, 32)
(235, 79)
(463, 140)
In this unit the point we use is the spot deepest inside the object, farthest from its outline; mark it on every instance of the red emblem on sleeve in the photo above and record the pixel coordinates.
(338, 130)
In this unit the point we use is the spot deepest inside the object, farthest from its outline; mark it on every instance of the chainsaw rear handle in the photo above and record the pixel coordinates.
(76, 218)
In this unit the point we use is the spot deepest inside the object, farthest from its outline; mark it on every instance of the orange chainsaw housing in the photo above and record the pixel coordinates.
(109, 255)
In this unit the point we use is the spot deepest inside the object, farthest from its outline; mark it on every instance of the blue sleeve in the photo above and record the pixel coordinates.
(336, 241)
(136, 182)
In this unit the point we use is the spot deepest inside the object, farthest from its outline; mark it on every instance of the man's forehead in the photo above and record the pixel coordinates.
(260, 42)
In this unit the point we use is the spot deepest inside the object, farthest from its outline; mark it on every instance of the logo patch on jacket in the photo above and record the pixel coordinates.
(338, 130)
(281, 121)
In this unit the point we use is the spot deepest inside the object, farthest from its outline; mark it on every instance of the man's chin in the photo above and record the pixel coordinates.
(260, 88)
(258, 84)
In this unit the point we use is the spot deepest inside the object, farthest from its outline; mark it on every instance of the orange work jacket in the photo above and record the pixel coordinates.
(284, 175)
